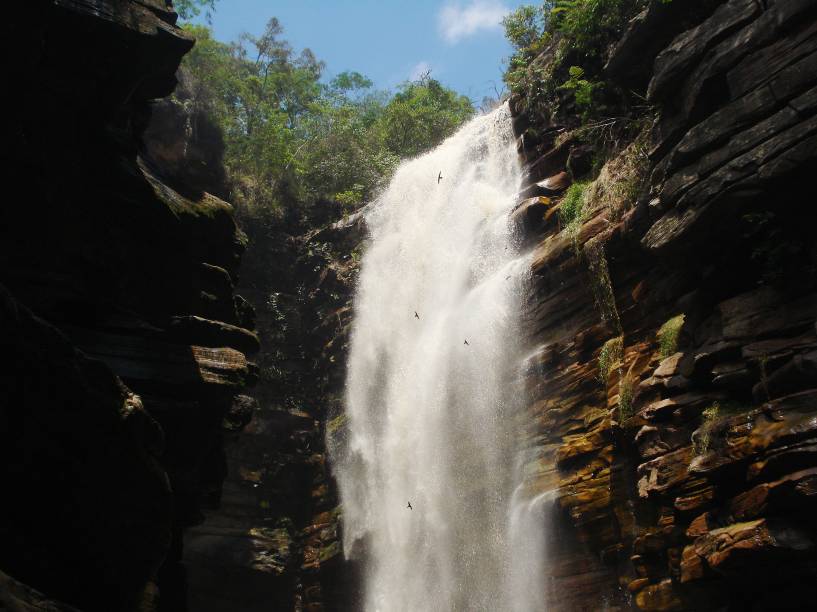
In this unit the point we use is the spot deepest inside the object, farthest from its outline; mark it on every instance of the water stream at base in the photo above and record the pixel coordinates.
(432, 420)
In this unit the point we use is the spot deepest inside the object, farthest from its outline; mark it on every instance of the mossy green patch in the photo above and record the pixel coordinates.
(711, 418)
(611, 353)
(668, 335)
(572, 209)
(601, 285)
(626, 397)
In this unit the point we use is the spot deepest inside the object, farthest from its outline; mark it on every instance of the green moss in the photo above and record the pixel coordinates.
(668, 335)
(626, 395)
(571, 210)
(601, 285)
(328, 552)
(711, 418)
(568, 31)
(333, 426)
(611, 353)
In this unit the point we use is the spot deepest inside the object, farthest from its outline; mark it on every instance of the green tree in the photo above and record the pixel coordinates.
(293, 141)
(421, 115)
(187, 9)
(257, 89)
(525, 25)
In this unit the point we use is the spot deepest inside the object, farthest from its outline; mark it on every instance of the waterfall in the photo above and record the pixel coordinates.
(432, 420)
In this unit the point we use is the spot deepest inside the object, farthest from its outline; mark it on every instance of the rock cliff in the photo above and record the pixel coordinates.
(126, 344)
(674, 325)
(275, 539)
(672, 328)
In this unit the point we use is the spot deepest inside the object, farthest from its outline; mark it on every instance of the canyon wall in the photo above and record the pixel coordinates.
(126, 346)
(275, 540)
(671, 331)
(674, 380)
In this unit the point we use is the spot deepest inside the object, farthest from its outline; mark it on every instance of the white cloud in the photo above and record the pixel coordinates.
(419, 70)
(459, 21)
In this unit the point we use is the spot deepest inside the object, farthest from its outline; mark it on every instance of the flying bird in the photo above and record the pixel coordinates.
(466, 342)
(439, 177)
(409, 506)
(416, 316)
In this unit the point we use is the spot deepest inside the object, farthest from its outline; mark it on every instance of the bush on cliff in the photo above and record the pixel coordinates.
(560, 51)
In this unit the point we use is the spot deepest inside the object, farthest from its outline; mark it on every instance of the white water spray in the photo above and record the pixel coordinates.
(433, 420)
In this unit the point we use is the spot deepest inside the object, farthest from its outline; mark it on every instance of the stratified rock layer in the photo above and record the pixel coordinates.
(676, 419)
(275, 540)
(125, 341)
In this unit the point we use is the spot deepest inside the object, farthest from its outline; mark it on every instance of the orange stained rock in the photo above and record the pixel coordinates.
(659, 597)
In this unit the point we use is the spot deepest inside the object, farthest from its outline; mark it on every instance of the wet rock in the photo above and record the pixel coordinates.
(551, 186)
(741, 546)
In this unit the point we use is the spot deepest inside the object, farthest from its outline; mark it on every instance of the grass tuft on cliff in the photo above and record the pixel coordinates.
(711, 420)
(668, 335)
(611, 354)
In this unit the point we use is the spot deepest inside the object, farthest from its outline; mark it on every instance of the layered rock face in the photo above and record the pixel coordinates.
(275, 541)
(677, 418)
(127, 347)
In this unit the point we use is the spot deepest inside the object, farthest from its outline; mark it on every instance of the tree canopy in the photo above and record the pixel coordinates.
(187, 9)
(294, 139)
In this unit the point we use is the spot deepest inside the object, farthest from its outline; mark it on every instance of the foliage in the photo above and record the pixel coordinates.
(187, 9)
(572, 211)
(526, 30)
(601, 285)
(590, 25)
(577, 35)
(668, 335)
(524, 27)
(623, 177)
(421, 115)
(581, 88)
(293, 141)
(611, 353)
(711, 419)
(572, 207)
(626, 397)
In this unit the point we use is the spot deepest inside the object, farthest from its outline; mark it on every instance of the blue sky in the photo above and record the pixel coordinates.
(389, 41)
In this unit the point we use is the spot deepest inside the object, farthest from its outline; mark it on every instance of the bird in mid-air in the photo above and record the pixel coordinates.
(416, 316)
(466, 342)
(409, 506)
(439, 177)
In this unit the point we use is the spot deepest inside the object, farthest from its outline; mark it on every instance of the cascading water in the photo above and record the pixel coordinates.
(434, 391)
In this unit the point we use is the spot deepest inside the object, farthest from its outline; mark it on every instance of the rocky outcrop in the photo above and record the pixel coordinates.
(184, 142)
(127, 344)
(674, 421)
(275, 540)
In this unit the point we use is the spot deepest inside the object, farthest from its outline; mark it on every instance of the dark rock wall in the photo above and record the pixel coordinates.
(274, 542)
(687, 479)
(126, 345)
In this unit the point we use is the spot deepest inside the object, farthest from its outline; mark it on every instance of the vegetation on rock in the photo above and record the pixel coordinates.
(668, 335)
(626, 396)
(612, 352)
(711, 418)
(577, 35)
(294, 141)
(187, 9)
